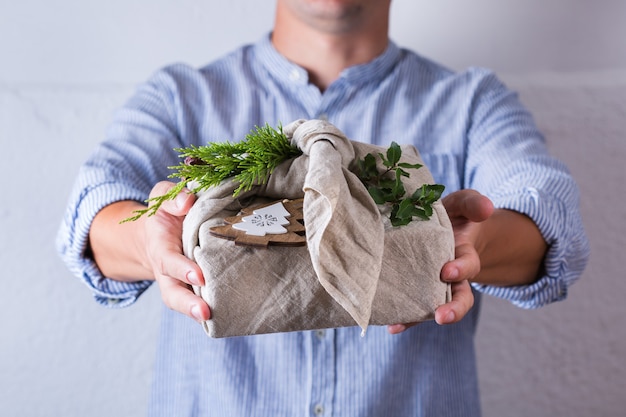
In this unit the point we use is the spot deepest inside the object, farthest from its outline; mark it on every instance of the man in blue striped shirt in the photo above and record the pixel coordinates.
(518, 231)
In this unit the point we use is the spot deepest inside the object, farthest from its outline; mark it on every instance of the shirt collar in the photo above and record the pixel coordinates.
(290, 73)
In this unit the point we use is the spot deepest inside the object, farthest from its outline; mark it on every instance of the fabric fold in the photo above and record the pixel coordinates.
(345, 234)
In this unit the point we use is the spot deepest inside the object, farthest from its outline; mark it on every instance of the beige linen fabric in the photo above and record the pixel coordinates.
(355, 269)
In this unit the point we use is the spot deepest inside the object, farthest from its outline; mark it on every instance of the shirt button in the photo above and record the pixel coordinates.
(320, 334)
(294, 75)
(318, 410)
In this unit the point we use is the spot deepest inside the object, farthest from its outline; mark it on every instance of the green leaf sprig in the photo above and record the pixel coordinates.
(253, 160)
(250, 162)
(386, 188)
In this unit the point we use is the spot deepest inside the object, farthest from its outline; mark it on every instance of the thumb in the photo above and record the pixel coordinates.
(180, 205)
(469, 204)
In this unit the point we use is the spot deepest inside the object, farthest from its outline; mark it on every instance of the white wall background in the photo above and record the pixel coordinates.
(66, 65)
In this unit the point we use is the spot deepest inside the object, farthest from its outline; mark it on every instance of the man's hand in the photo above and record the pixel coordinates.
(150, 248)
(172, 270)
(467, 210)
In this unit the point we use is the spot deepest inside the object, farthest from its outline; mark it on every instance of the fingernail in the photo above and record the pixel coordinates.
(193, 278)
(453, 274)
(180, 200)
(450, 316)
(196, 313)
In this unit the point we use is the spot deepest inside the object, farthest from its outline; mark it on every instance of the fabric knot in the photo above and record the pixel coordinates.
(306, 133)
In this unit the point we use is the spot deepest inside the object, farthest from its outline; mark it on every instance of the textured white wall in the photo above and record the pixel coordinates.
(66, 65)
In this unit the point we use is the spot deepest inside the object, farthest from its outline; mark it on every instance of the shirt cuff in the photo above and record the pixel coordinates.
(568, 248)
(72, 239)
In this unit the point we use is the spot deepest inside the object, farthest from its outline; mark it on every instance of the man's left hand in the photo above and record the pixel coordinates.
(467, 209)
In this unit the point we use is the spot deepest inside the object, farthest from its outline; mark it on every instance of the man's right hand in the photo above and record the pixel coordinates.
(150, 248)
(173, 271)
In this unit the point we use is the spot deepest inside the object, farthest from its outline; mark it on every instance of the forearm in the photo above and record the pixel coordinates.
(511, 250)
(119, 249)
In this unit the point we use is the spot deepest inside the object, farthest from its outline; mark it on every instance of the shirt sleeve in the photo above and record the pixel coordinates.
(508, 161)
(138, 149)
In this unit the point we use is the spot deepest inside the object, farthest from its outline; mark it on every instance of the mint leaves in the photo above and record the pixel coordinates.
(387, 188)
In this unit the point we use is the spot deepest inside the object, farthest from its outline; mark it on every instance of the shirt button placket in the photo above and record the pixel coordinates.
(323, 372)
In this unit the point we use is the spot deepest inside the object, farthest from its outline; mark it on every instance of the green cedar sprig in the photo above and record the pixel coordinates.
(386, 188)
(250, 162)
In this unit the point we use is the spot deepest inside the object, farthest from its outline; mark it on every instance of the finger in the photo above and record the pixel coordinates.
(455, 310)
(465, 266)
(396, 328)
(399, 327)
(178, 297)
(180, 205)
(469, 204)
(179, 267)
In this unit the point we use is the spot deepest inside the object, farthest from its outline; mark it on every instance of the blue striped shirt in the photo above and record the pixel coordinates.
(472, 132)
